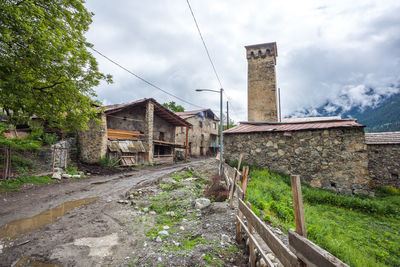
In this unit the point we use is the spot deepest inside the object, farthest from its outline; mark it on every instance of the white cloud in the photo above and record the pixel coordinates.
(324, 50)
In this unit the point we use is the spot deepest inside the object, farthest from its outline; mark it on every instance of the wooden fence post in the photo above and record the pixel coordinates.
(298, 205)
(232, 188)
(251, 244)
(240, 215)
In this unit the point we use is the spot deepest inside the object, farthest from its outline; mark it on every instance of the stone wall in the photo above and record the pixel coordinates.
(334, 159)
(384, 164)
(62, 152)
(135, 119)
(93, 141)
(163, 130)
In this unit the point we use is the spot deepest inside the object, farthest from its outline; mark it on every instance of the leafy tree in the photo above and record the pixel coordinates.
(173, 107)
(46, 69)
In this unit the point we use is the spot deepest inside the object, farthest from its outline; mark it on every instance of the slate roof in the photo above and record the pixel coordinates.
(159, 109)
(250, 127)
(382, 138)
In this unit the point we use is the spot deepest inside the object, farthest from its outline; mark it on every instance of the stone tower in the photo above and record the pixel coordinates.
(261, 82)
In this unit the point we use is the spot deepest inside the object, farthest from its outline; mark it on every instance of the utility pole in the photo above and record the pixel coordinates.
(227, 115)
(279, 99)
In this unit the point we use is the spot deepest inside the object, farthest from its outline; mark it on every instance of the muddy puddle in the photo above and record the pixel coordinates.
(26, 261)
(14, 229)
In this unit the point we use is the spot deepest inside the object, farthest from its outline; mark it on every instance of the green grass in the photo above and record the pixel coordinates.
(15, 184)
(359, 230)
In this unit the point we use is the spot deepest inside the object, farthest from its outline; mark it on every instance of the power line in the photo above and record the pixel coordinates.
(204, 44)
(144, 80)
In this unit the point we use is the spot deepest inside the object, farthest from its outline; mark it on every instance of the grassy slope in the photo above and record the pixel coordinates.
(360, 231)
(15, 184)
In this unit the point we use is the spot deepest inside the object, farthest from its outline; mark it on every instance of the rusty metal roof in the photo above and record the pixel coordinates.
(382, 138)
(250, 127)
(191, 113)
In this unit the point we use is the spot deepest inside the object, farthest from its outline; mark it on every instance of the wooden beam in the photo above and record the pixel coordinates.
(285, 256)
(258, 246)
(298, 205)
(187, 143)
(311, 254)
(251, 243)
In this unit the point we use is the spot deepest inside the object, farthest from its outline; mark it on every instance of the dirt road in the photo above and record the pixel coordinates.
(81, 223)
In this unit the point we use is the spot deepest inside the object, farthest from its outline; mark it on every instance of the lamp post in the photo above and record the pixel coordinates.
(221, 127)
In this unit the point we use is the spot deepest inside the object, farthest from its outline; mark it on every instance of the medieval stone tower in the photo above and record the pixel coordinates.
(261, 82)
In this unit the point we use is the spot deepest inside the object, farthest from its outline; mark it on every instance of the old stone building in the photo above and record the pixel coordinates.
(139, 132)
(203, 135)
(326, 154)
(384, 158)
(261, 83)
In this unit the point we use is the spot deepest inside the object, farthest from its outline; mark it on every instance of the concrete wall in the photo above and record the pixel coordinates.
(261, 82)
(195, 135)
(93, 141)
(384, 164)
(335, 159)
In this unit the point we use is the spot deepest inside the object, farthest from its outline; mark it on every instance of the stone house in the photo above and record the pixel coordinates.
(142, 131)
(203, 135)
(328, 154)
(384, 158)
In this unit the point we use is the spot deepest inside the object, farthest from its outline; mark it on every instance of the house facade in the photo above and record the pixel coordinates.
(138, 132)
(203, 135)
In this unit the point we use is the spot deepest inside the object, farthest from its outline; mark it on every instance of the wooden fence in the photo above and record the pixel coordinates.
(301, 251)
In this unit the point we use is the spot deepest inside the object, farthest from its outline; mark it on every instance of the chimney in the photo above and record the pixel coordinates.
(261, 82)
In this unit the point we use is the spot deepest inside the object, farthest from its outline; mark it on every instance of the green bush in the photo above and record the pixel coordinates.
(387, 190)
(106, 161)
(49, 139)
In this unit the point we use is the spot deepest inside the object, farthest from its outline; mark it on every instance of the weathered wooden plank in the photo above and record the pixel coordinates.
(251, 243)
(298, 205)
(285, 256)
(311, 254)
(258, 246)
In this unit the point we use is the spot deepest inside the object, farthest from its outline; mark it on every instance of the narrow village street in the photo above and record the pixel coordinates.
(140, 218)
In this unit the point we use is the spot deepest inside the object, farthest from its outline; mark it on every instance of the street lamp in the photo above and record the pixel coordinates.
(221, 127)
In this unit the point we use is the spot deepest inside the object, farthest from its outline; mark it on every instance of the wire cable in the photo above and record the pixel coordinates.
(144, 80)
(204, 44)
(122, 67)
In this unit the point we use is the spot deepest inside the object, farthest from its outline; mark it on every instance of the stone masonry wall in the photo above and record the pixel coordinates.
(334, 159)
(93, 141)
(384, 164)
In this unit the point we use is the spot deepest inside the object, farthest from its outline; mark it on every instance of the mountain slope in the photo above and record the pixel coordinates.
(384, 118)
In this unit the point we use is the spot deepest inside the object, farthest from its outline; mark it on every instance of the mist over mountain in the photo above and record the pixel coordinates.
(377, 108)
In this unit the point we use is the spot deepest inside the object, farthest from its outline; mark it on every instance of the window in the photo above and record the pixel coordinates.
(214, 125)
(200, 124)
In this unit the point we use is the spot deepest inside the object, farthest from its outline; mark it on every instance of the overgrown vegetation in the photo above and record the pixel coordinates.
(360, 230)
(15, 184)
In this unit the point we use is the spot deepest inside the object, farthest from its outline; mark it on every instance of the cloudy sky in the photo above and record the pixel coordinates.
(327, 50)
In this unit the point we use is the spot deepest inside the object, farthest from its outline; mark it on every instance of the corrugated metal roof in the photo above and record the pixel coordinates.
(191, 113)
(382, 138)
(250, 127)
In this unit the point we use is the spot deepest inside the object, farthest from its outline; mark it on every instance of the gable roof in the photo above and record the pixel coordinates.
(159, 110)
(250, 127)
(191, 113)
(382, 138)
